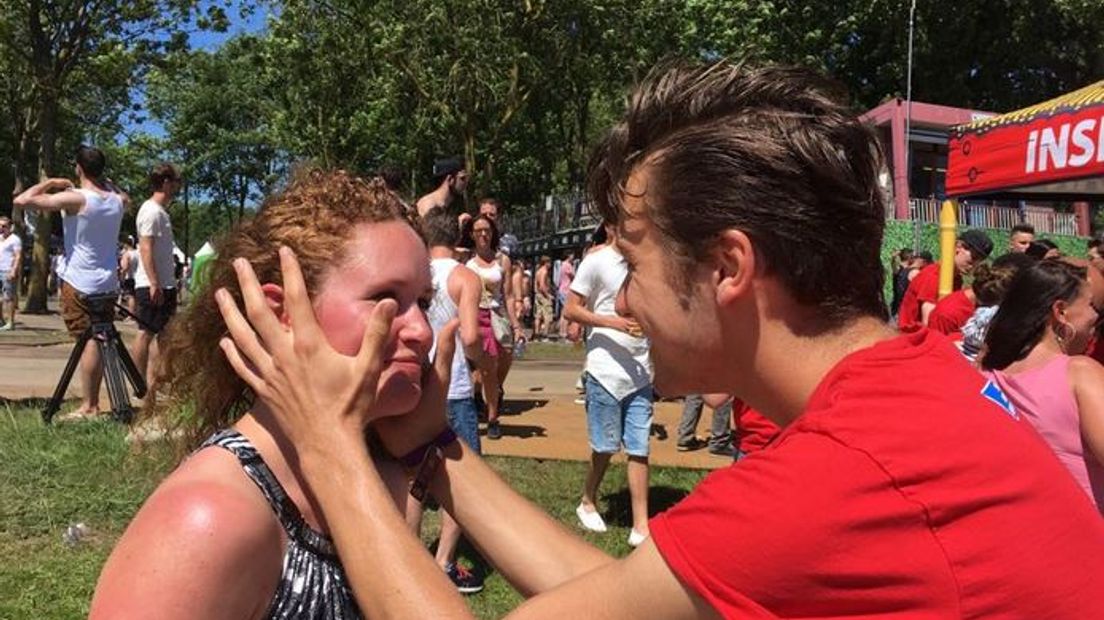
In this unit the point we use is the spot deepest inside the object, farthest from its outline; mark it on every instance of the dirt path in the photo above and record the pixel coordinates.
(541, 419)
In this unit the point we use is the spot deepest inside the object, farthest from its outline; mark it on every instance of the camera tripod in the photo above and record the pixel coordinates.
(118, 367)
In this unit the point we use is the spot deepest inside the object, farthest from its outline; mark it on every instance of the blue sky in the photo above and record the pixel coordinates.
(252, 20)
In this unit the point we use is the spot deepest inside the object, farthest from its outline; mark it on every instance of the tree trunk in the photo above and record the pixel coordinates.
(469, 159)
(44, 221)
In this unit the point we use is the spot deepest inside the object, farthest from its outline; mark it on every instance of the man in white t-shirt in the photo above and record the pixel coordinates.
(92, 214)
(619, 398)
(11, 258)
(155, 278)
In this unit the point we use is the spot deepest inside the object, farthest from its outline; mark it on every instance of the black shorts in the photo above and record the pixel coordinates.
(154, 318)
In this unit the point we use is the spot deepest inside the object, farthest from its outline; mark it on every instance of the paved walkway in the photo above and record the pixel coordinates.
(541, 419)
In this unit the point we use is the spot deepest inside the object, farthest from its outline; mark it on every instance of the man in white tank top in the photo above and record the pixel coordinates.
(456, 292)
(91, 217)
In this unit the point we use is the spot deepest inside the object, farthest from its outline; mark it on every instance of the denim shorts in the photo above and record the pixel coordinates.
(464, 420)
(7, 289)
(612, 423)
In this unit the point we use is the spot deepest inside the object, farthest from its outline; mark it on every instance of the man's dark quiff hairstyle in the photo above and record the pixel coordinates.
(770, 151)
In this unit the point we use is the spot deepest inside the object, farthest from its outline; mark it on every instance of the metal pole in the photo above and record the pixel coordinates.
(908, 125)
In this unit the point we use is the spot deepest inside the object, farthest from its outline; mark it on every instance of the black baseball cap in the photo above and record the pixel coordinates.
(977, 242)
(447, 166)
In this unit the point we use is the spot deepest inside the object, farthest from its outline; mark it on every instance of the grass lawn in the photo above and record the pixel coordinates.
(84, 472)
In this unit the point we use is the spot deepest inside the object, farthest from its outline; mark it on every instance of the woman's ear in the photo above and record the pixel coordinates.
(1058, 309)
(274, 297)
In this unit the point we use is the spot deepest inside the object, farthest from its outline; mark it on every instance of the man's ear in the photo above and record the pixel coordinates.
(274, 297)
(735, 264)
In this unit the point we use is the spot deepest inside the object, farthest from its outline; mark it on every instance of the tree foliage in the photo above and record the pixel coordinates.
(73, 65)
(520, 89)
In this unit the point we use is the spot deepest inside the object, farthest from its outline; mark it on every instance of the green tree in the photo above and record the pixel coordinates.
(72, 62)
(218, 109)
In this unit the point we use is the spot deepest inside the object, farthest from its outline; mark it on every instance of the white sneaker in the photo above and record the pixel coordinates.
(635, 538)
(590, 519)
(7, 327)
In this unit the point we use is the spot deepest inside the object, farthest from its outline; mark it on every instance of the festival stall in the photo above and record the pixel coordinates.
(1049, 151)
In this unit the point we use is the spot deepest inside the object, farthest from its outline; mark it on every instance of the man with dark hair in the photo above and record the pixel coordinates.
(1021, 237)
(92, 214)
(1095, 252)
(450, 180)
(902, 483)
(11, 261)
(1040, 249)
(490, 207)
(393, 176)
(972, 247)
(155, 280)
(456, 291)
(902, 263)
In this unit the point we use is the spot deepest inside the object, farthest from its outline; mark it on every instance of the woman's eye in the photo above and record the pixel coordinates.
(424, 304)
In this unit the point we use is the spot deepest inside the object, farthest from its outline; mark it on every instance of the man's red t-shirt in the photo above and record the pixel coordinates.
(753, 431)
(951, 313)
(923, 288)
(908, 488)
(1096, 347)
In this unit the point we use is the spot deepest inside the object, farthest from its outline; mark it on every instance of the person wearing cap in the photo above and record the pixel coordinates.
(972, 247)
(451, 181)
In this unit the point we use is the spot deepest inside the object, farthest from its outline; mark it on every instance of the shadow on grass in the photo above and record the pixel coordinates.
(619, 508)
(37, 404)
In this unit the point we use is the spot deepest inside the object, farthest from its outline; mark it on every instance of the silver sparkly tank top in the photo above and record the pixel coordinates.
(312, 583)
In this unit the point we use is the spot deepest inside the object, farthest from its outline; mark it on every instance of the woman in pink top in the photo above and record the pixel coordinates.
(1034, 352)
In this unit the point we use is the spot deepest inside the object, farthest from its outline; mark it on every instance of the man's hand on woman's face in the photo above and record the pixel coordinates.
(317, 393)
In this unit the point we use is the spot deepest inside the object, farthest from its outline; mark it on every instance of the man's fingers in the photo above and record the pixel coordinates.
(260, 315)
(240, 330)
(296, 301)
(376, 334)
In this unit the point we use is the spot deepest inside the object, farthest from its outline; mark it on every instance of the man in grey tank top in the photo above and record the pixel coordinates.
(91, 217)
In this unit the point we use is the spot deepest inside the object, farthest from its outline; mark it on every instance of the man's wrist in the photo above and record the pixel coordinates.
(340, 453)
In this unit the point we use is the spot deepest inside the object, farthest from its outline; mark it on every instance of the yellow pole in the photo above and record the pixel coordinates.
(948, 216)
